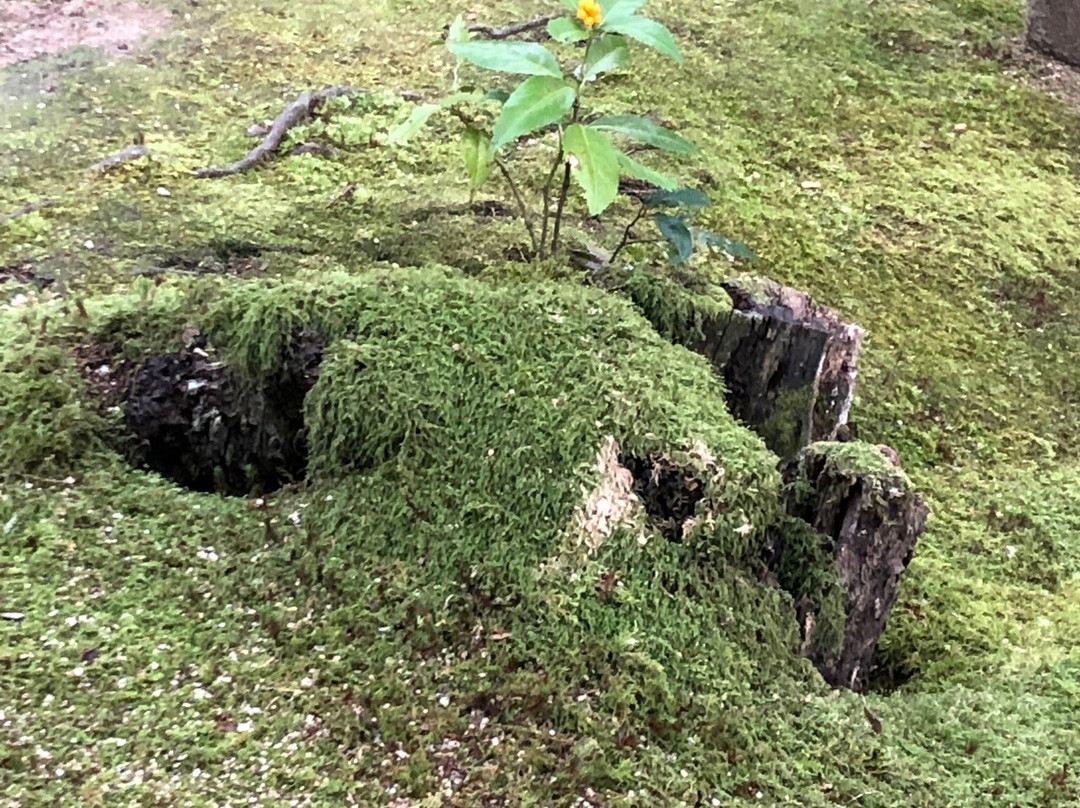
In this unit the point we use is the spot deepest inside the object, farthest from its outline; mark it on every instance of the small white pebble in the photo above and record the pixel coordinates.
(163, 191)
(88, 244)
(307, 681)
(444, 701)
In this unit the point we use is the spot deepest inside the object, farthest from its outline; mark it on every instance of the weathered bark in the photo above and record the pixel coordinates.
(869, 518)
(789, 365)
(1054, 28)
(197, 424)
(125, 155)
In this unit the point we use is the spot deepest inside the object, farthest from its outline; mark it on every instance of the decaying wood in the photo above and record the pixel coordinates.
(870, 517)
(195, 422)
(513, 29)
(789, 365)
(1054, 28)
(26, 209)
(125, 155)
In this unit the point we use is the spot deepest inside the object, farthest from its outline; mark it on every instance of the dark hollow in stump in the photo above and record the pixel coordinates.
(1054, 28)
(669, 492)
(196, 423)
(789, 365)
(869, 518)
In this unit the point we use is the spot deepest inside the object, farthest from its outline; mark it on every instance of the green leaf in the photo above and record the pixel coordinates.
(413, 125)
(639, 171)
(609, 52)
(646, 31)
(619, 8)
(566, 30)
(459, 31)
(423, 112)
(498, 96)
(690, 198)
(537, 102)
(595, 165)
(675, 230)
(736, 249)
(525, 58)
(476, 149)
(645, 131)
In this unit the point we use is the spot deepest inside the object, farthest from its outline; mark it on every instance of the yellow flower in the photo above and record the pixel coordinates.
(590, 13)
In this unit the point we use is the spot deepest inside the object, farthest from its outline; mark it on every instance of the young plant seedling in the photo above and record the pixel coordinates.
(549, 101)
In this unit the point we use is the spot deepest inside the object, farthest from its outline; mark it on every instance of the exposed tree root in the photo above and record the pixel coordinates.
(125, 155)
(293, 115)
(26, 209)
(511, 30)
(296, 113)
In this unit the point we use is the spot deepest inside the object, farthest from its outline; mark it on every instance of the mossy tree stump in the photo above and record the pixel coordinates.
(868, 517)
(789, 365)
(1054, 28)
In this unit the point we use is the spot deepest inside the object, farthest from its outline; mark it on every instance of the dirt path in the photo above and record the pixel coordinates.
(34, 28)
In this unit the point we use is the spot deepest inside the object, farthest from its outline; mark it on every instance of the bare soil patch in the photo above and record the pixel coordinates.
(33, 28)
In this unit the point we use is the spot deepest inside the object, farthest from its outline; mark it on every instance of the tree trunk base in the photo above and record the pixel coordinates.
(1054, 28)
(867, 518)
(789, 365)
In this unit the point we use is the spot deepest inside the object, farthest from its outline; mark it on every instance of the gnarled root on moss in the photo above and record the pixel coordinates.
(296, 113)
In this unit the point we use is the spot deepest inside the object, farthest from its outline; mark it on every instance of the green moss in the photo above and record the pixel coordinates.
(807, 568)
(858, 458)
(788, 428)
(922, 231)
(46, 427)
(678, 314)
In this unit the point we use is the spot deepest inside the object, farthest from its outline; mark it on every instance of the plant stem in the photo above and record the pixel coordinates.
(626, 234)
(547, 198)
(521, 203)
(575, 116)
(559, 211)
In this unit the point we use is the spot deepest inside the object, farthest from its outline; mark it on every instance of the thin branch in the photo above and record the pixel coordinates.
(296, 113)
(626, 233)
(520, 201)
(511, 30)
(134, 152)
(26, 209)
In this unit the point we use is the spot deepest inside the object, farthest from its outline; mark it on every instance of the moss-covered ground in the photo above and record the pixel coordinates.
(420, 625)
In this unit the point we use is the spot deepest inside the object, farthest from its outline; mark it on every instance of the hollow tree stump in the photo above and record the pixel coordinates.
(868, 517)
(789, 365)
(1054, 28)
(195, 422)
